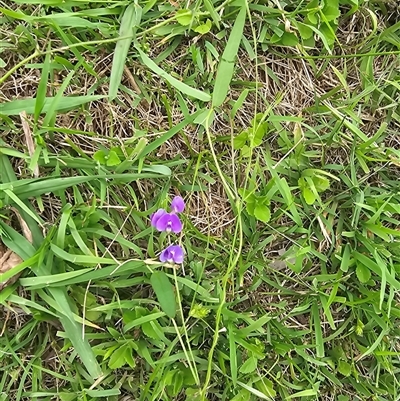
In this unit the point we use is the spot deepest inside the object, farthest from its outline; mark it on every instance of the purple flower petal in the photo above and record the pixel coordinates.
(165, 255)
(177, 204)
(156, 216)
(169, 222)
(172, 254)
(176, 253)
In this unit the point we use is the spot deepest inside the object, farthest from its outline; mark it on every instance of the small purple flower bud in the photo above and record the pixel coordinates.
(156, 216)
(177, 204)
(172, 254)
(169, 222)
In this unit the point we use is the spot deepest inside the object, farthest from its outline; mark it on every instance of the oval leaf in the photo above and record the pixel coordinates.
(363, 273)
(262, 213)
(164, 292)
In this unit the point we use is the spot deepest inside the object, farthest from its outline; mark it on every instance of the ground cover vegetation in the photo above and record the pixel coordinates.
(199, 200)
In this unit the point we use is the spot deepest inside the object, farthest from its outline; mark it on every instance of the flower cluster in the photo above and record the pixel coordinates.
(161, 220)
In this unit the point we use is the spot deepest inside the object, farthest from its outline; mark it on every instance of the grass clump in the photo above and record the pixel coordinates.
(277, 123)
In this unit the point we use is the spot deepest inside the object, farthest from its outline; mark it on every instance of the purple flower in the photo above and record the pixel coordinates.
(167, 222)
(172, 254)
(177, 204)
(156, 216)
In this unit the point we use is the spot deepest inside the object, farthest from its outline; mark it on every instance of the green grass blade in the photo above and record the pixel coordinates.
(15, 107)
(226, 66)
(42, 88)
(319, 341)
(179, 85)
(47, 281)
(81, 259)
(143, 319)
(54, 105)
(130, 20)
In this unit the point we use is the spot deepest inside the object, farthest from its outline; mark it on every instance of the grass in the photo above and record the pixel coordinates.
(279, 125)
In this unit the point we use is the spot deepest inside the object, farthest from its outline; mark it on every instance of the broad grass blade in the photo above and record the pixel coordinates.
(179, 85)
(226, 66)
(130, 20)
(165, 292)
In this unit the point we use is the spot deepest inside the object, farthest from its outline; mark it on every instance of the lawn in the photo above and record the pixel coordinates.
(267, 132)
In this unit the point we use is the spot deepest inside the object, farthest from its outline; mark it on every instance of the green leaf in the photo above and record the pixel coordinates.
(130, 20)
(100, 156)
(331, 9)
(266, 387)
(321, 183)
(246, 151)
(249, 366)
(42, 88)
(303, 393)
(149, 331)
(112, 159)
(129, 357)
(363, 273)
(226, 66)
(259, 134)
(117, 359)
(164, 292)
(327, 34)
(305, 31)
(240, 140)
(262, 212)
(289, 39)
(184, 17)
(141, 320)
(308, 195)
(66, 103)
(177, 84)
(312, 17)
(344, 368)
(213, 13)
(204, 28)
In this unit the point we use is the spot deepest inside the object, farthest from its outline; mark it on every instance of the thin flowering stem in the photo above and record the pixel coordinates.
(237, 202)
(194, 371)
